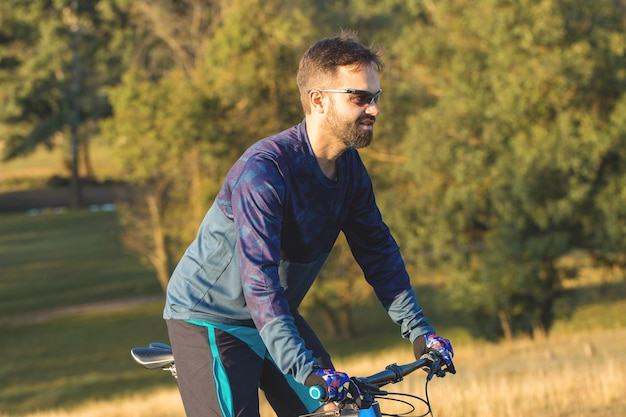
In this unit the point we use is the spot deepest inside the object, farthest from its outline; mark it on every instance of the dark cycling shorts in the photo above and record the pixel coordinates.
(219, 374)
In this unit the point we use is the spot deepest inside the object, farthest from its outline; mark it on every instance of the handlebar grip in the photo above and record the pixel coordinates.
(317, 393)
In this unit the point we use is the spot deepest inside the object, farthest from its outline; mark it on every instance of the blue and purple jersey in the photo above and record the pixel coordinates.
(266, 237)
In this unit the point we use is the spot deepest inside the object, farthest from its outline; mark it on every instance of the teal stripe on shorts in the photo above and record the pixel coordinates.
(224, 393)
(252, 338)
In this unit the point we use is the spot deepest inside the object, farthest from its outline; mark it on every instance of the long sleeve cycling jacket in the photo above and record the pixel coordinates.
(264, 240)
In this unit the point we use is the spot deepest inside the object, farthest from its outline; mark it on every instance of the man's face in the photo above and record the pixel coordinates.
(351, 123)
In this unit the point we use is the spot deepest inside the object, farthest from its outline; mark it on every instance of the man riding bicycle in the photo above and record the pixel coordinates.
(232, 301)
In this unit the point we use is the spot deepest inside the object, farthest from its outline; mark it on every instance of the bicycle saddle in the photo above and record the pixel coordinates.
(157, 355)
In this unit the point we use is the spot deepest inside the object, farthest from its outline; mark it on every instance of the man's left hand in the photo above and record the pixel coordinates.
(431, 342)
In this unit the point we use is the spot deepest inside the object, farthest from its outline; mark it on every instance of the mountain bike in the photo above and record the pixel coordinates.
(159, 356)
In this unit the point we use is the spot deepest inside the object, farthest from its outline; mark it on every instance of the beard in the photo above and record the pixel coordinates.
(351, 133)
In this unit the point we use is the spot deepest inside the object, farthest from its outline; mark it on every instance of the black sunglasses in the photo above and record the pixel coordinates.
(358, 97)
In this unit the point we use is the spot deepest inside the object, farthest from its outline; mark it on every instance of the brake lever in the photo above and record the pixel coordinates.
(367, 391)
(436, 368)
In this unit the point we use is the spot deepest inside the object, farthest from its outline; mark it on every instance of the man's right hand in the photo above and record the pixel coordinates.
(336, 384)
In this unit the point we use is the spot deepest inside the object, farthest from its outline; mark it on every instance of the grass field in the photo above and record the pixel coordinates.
(56, 260)
(37, 167)
(52, 261)
(575, 376)
(78, 364)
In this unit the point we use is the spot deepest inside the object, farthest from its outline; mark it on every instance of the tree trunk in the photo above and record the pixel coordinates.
(76, 192)
(505, 323)
(195, 189)
(86, 152)
(347, 325)
(330, 320)
(158, 256)
(76, 197)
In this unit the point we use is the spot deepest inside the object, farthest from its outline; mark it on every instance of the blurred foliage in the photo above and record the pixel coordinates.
(517, 146)
(56, 58)
(499, 148)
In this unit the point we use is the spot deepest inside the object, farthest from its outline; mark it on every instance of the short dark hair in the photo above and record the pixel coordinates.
(321, 61)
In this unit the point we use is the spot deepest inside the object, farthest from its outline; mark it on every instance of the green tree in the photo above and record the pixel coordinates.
(55, 58)
(503, 167)
(208, 80)
(156, 130)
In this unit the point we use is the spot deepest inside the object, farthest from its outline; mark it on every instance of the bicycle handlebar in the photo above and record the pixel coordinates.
(393, 373)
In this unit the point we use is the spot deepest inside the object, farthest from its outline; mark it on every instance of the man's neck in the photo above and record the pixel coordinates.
(326, 148)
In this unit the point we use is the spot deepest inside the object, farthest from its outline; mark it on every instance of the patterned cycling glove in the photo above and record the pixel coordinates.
(430, 342)
(337, 384)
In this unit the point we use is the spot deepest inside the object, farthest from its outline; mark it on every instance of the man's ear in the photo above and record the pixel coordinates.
(316, 99)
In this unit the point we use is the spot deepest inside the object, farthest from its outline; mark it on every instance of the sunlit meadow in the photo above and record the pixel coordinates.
(564, 375)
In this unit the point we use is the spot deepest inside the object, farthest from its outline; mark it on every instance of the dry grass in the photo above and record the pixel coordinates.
(572, 376)
(161, 403)
(560, 377)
